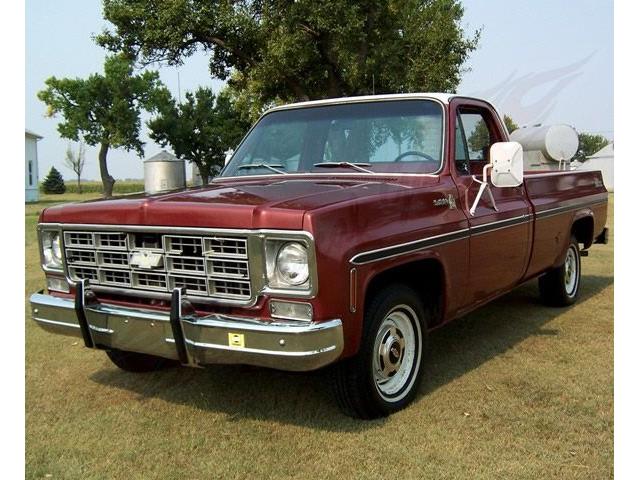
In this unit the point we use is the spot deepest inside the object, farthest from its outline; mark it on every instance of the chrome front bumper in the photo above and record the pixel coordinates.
(191, 339)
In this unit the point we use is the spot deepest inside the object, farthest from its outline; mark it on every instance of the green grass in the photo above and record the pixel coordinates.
(513, 390)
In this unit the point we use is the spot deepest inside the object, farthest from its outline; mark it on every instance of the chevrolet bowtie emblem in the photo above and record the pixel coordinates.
(146, 260)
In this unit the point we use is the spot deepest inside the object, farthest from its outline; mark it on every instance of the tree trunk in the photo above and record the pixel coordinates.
(79, 186)
(107, 180)
(204, 173)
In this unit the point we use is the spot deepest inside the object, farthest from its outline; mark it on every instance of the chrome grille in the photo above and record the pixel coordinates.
(225, 288)
(224, 247)
(228, 268)
(153, 281)
(115, 277)
(81, 257)
(113, 259)
(205, 265)
(78, 273)
(78, 239)
(113, 241)
(194, 285)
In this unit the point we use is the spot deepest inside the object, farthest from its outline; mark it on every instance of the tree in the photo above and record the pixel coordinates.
(54, 182)
(307, 49)
(104, 109)
(200, 130)
(479, 138)
(75, 162)
(588, 144)
(511, 125)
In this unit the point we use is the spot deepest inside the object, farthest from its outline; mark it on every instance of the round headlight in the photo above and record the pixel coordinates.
(52, 250)
(292, 263)
(55, 248)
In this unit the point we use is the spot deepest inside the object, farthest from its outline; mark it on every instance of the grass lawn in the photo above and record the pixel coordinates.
(513, 390)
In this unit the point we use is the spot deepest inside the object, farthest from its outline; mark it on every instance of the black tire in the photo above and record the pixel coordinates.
(392, 320)
(560, 286)
(138, 362)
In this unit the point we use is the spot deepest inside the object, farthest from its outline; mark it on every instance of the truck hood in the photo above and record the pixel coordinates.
(265, 203)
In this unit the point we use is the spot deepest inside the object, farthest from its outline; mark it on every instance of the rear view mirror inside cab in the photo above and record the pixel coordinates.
(507, 166)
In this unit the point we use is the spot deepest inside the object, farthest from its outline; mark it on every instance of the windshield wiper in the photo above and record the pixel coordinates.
(355, 166)
(274, 168)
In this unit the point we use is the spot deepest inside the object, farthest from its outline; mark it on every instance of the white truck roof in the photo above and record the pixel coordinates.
(441, 97)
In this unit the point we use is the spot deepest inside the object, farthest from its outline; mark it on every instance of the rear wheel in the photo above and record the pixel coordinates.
(385, 374)
(559, 287)
(138, 362)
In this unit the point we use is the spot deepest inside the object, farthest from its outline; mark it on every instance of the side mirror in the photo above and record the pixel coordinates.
(507, 164)
(228, 154)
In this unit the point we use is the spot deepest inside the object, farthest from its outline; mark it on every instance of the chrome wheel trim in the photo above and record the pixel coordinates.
(571, 271)
(397, 352)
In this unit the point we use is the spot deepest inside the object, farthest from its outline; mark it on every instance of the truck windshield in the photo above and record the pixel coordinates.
(399, 136)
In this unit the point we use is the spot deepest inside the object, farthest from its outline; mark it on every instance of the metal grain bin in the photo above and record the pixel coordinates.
(162, 172)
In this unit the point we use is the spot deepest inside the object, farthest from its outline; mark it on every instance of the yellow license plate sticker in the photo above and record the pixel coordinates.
(236, 340)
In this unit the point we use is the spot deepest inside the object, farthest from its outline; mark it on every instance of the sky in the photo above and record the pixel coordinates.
(540, 62)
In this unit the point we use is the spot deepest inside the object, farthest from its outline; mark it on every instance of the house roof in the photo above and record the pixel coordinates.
(29, 133)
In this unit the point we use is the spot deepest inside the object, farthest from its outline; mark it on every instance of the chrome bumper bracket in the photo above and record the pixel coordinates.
(81, 290)
(176, 326)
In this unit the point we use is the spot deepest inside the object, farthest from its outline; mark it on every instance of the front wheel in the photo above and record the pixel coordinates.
(559, 287)
(138, 362)
(384, 376)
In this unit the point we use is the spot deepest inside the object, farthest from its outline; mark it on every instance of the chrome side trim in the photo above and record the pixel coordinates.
(550, 212)
(437, 240)
(408, 247)
(500, 224)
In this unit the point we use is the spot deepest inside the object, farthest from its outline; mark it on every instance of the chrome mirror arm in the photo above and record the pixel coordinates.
(484, 185)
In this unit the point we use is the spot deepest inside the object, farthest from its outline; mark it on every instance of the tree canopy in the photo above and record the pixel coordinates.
(588, 144)
(104, 109)
(201, 129)
(307, 49)
(511, 125)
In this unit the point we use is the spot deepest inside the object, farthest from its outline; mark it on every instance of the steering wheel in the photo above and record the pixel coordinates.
(414, 153)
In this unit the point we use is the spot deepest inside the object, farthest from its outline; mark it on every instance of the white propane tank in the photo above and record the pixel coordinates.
(547, 146)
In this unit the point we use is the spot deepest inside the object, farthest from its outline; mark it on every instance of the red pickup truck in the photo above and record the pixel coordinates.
(340, 232)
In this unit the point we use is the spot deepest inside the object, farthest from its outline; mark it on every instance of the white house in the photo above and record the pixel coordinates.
(31, 166)
(601, 160)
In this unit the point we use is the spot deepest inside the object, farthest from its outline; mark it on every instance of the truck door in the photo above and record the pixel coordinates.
(500, 237)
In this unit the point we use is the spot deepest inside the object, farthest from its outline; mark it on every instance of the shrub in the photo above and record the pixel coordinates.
(54, 182)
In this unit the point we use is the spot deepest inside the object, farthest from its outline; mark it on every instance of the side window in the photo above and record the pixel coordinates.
(472, 133)
(462, 154)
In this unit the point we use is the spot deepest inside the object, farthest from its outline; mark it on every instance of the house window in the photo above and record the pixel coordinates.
(30, 173)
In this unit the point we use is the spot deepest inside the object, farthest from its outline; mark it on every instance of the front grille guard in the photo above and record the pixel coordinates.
(84, 297)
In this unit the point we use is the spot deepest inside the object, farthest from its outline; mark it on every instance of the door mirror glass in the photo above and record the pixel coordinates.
(227, 155)
(507, 166)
